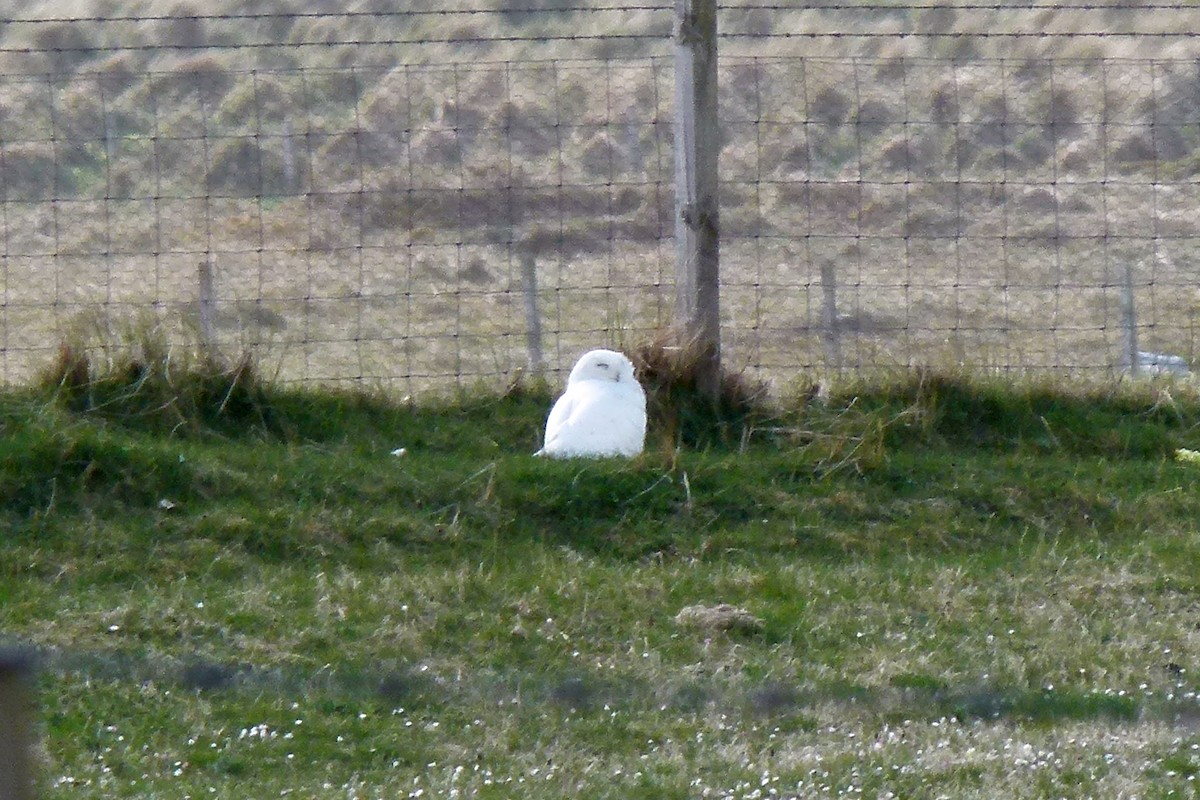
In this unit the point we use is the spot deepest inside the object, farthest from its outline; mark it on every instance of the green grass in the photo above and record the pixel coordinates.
(967, 589)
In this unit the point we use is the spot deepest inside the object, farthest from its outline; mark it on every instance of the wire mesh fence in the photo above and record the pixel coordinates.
(355, 224)
(990, 213)
(433, 197)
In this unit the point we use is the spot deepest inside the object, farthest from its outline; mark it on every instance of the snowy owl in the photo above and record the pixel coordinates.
(601, 413)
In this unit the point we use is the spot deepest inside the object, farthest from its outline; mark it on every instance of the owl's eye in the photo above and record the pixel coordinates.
(602, 364)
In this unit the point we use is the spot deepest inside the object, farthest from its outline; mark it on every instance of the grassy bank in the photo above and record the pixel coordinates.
(954, 588)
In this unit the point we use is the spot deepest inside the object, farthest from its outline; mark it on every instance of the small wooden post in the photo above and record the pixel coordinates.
(697, 144)
(110, 136)
(829, 316)
(207, 307)
(16, 728)
(289, 158)
(533, 318)
(1129, 343)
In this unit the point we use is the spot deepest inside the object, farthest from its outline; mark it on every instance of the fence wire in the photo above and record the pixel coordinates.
(355, 198)
(990, 213)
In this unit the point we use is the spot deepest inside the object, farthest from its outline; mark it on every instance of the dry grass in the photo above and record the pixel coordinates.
(719, 618)
(680, 408)
(138, 376)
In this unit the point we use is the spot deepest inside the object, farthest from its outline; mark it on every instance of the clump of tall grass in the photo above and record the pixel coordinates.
(678, 406)
(137, 374)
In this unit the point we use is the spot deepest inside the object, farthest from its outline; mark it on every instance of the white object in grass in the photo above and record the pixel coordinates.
(602, 412)
(1187, 456)
(1162, 364)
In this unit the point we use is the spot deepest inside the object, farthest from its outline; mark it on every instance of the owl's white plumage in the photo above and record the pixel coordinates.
(602, 412)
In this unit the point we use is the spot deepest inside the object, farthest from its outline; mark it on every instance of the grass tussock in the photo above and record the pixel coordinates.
(138, 377)
(679, 407)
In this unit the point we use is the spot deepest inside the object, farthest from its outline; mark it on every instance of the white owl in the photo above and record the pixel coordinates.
(601, 413)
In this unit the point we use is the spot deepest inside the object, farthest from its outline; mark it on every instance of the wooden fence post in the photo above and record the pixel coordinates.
(207, 307)
(829, 316)
(16, 727)
(697, 143)
(533, 317)
(1130, 363)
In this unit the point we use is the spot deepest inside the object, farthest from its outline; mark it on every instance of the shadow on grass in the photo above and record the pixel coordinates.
(405, 685)
(1114, 419)
(929, 464)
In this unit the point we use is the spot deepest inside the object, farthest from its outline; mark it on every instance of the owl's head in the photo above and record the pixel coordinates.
(602, 365)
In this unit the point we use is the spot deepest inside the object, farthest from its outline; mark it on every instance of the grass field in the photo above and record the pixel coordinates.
(948, 587)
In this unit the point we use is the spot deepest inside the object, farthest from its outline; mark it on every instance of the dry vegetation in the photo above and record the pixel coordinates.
(369, 207)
